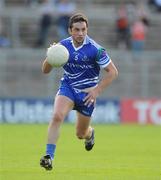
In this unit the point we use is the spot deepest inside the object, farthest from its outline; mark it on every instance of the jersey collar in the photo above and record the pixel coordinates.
(86, 41)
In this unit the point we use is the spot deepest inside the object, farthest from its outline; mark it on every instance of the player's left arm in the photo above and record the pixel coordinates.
(110, 74)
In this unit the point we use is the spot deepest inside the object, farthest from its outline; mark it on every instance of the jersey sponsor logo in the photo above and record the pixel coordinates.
(73, 65)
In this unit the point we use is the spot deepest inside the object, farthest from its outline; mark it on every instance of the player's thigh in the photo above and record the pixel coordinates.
(83, 122)
(63, 105)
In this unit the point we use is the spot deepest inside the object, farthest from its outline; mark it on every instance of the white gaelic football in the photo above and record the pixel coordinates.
(57, 55)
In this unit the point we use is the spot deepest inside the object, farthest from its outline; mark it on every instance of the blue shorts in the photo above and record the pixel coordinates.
(77, 97)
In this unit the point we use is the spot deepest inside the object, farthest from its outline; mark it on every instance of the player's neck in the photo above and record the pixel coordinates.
(77, 44)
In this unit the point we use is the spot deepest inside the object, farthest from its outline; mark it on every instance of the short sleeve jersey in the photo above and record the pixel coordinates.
(84, 63)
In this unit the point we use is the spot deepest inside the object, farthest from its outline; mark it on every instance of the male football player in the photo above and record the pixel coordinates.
(79, 86)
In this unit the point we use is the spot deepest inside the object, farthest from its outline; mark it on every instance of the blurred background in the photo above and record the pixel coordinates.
(129, 30)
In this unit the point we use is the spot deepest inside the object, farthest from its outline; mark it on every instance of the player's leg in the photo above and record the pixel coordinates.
(62, 107)
(84, 130)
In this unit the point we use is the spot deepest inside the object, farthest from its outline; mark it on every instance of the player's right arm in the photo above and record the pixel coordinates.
(46, 67)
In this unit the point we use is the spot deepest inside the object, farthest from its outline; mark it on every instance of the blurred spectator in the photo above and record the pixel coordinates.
(4, 41)
(65, 8)
(122, 27)
(156, 4)
(46, 10)
(138, 35)
(142, 14)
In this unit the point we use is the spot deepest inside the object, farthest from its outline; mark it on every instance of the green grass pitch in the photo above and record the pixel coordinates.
(121, 152)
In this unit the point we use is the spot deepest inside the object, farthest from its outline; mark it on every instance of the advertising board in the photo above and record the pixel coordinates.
(142, 111)
(23, 110)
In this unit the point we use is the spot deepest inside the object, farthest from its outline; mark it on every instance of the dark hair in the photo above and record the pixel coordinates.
(77, 18)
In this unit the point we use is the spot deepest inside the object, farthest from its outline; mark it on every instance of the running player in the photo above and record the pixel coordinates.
(79, 86)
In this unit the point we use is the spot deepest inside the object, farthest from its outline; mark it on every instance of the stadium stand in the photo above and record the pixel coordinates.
(23, 63)
(102, 20)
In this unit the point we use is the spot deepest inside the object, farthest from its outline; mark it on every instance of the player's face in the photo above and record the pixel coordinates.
(78, 33)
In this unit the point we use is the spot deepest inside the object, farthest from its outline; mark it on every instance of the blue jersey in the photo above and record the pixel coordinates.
(84, 63)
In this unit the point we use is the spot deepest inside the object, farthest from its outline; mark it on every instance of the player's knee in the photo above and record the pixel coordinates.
(58, 117)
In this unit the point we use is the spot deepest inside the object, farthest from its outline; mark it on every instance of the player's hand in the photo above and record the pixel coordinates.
(46, 67)
(91, 97)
